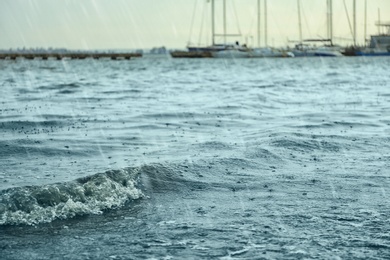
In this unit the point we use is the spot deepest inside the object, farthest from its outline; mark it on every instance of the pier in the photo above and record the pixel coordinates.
(69, 55)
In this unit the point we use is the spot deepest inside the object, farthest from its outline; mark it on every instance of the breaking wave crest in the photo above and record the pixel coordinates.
(32, 205)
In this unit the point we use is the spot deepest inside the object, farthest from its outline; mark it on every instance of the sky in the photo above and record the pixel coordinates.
(143, 24)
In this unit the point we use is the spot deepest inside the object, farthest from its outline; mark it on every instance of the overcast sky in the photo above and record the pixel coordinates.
(133, 24)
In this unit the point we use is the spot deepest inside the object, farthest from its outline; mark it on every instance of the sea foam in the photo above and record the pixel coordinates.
(89, 195)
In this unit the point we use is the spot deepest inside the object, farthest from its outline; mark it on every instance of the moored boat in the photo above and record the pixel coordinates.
(379, 44)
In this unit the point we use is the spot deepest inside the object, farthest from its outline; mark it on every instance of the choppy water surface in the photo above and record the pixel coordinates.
(187, 159)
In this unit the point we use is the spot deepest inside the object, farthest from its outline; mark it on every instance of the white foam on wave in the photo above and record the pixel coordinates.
(91, 195)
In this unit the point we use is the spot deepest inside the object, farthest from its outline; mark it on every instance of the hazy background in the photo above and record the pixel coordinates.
(134, 24)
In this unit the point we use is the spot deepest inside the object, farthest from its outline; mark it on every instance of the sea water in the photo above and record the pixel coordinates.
(160, 158)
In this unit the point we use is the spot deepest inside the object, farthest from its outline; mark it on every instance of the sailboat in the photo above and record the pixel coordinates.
(225, 50)
(194, 51)
(215, 50)
(379, 44)
(302, 49)
(230, 50)
(243, 51)
(264, 52)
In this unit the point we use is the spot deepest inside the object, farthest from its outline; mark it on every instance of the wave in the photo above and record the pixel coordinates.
(33, 205)
(60, 86)
(306, 145)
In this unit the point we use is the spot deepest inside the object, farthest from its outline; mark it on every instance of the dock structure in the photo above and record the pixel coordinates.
(69, 55)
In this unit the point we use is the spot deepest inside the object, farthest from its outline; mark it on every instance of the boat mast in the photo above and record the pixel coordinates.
(265, 24)
(349, 20)
(331, 21)
(224, 22)
(329, 5)
(327, 19)
(299, 21)
(258, 23)
(354, 22)
(379, 21)
(365, 22)
(212, 22)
